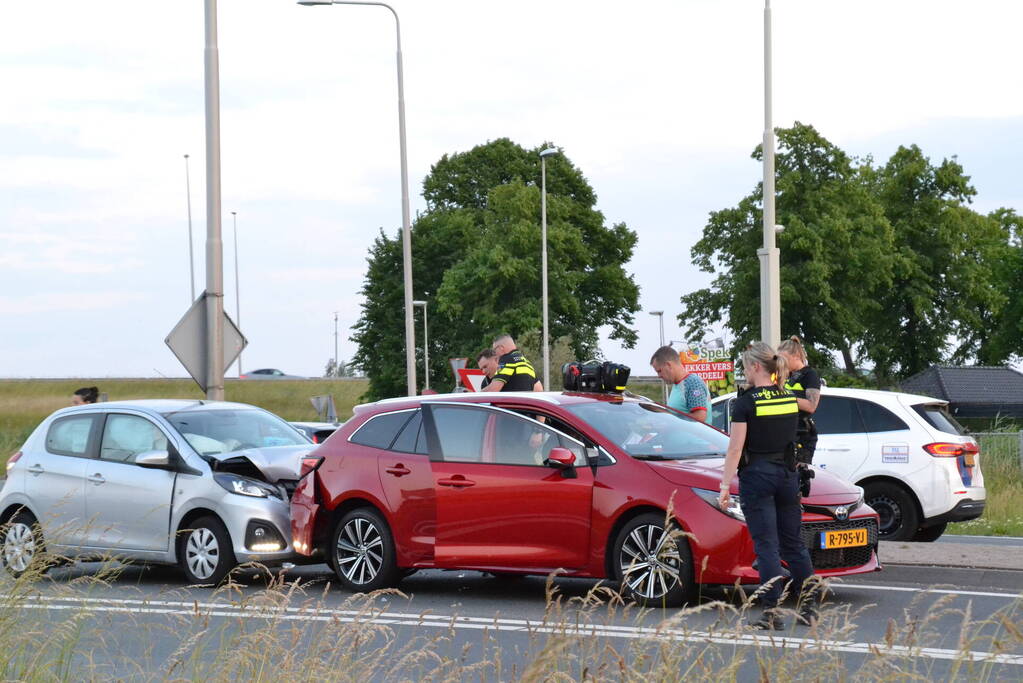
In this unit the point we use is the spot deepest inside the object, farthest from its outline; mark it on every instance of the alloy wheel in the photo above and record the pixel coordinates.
(649, 561)
(19, 546)
(889, 514)
(202, 553)
(359, 551)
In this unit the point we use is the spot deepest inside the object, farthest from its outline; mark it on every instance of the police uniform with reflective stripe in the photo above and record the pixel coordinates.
(515, 372)
(771, 415)
(798, 383)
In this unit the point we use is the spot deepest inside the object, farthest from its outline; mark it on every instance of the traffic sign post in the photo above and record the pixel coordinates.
(188, 341)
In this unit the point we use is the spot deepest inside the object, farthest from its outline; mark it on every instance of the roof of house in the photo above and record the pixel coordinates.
(979, 384)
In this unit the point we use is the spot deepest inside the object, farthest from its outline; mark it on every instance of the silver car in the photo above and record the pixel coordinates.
(204, 485)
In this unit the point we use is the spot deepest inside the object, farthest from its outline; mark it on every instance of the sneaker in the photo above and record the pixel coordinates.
(769, 620)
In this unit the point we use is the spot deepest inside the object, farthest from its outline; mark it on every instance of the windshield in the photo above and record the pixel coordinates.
(211, 432)
(650, 431)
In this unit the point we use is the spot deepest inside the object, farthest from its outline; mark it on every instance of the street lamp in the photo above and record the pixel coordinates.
(660, 315)
(544, 153)
(770, 283)
(336, 373)
(406, 228)
(426, 348)
(237, 288)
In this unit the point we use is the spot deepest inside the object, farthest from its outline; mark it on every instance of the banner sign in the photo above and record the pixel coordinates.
(713, 366)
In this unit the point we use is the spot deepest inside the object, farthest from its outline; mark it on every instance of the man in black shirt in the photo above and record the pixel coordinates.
(514, 373)
(805, 383)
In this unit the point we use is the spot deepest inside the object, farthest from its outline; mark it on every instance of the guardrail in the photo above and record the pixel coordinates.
(1001, 444)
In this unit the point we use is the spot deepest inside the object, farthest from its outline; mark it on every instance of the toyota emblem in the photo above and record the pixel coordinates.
(841, 513)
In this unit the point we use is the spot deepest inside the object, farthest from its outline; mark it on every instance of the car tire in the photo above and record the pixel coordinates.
(205, 554)
(896, 508)
(671, 582)
(929, 534)
(22, 544)
(362, 552)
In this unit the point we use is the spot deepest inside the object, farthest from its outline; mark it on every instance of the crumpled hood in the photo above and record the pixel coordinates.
(275, 462)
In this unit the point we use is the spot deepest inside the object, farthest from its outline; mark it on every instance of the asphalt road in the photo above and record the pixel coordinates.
(470, 626)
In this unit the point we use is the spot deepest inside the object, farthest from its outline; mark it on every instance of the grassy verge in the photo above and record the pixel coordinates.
(1003, 479)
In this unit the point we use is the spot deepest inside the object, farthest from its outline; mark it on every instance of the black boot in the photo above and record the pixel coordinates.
(769, 620)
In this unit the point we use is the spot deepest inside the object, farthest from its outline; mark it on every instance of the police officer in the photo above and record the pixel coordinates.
(761, 449)
(805, 383)
(514, 372)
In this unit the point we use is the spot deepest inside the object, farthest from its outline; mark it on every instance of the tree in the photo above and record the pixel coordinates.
(476, 259)
(945, 288)
(836, 252)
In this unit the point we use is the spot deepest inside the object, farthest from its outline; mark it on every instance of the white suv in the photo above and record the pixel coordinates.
(918, 468)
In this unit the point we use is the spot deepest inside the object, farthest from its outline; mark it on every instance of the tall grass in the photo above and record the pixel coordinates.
(1003, 480)
(290, 631)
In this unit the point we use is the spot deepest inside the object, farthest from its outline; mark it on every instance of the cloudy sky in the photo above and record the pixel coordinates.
(659, 104)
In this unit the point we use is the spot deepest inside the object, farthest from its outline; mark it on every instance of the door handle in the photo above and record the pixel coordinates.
(96, 478)
(35, 469)
(398, 470)
(458, 481)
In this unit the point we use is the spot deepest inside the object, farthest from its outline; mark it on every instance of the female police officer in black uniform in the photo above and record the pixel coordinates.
(761, 449)
(805, 383)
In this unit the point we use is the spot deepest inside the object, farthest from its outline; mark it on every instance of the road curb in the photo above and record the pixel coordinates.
(971, 556)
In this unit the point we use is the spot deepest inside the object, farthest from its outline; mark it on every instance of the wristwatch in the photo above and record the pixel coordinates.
(724, 486)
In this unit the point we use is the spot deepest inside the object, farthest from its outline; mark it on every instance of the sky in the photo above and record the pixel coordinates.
(660, 104)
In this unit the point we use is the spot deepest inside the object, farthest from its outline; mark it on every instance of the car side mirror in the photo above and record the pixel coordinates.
(561, 458)
(153, 459)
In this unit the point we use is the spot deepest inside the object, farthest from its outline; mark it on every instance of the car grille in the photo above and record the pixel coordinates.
(837, 558)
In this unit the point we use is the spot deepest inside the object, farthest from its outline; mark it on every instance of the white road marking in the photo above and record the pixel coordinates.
(943, 591)
(214, 609)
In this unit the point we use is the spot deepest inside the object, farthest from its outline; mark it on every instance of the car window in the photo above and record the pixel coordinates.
(125, 436)
(719, 416)
(877, 418)
(649, 430)
(837, 415)
(937, 416)
(460, 432)
(412, 438)
(211, 432)
(522, 441)
(379, 431)
(70, 435)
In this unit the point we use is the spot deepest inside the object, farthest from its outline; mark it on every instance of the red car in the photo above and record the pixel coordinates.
(529, 483)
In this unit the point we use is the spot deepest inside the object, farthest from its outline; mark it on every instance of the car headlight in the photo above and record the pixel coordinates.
(860, 500)
(733, 509)
(244, 486)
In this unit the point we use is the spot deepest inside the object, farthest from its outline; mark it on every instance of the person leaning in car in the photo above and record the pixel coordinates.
(514, 372)
(689, 393)
(805, 383)
(486, 360)
(761, 448)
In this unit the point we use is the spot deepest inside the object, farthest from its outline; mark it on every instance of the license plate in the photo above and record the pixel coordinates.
(849, 538)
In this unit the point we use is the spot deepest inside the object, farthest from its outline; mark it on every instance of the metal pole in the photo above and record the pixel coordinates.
(406, 226)
(660, 319)
(191, 252)
(543, 269)
(214, 245)
(770, 281)
(237, 287)
(336, 374)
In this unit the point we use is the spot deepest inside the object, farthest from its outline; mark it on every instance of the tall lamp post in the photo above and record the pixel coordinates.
(544, 153)
(426, 348)
(770, 280)
(336, 373)
(660, 316)
(237, 287)
(406, 228)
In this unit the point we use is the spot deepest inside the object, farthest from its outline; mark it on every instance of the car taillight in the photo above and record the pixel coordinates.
(316, 439)
(13, 459)
(951, 450)
(309, 464)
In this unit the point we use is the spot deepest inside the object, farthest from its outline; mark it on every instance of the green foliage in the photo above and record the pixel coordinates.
(887, 265)
(477, 259)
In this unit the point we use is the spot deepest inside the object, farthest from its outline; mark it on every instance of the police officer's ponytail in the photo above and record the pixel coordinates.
(794, 347)
(775, 364)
